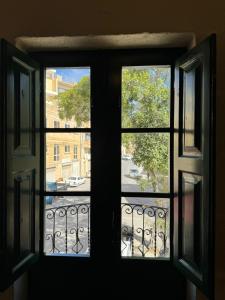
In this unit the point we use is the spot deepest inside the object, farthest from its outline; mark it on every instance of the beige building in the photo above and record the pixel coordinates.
(67, 154)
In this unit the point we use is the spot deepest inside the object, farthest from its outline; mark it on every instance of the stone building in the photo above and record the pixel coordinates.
(67, 154)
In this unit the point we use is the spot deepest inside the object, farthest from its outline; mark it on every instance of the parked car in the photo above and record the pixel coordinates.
(134, 173)
(126, 157)
(54, 187)
(61, 186)
(75, 181)
(49, 199)
(51, 187)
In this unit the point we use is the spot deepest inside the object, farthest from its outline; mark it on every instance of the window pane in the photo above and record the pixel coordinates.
(68, 162)
(145, 228)
(145, 162)
(67, 225)
(145, 96)
(67, 97)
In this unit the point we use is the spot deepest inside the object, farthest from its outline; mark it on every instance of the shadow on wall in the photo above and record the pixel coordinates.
(7, 295)
(18, 291)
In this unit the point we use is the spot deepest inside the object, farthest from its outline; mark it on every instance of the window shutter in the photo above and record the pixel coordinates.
(193, 164)
(19, 162)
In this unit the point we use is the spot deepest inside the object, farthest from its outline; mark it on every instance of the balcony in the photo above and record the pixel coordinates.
(144, 232)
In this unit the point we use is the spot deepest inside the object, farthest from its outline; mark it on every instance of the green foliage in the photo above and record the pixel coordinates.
(75, 103)
(151, 153)
(145, 104)
(145, 95)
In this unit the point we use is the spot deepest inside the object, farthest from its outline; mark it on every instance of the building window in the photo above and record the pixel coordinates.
(75, 152)
(87, 137)
(56, 124)
(87, 152)
(56, 152)
(67, 125)
(67, 148)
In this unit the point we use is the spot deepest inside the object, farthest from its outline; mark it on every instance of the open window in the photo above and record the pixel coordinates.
(98, 167)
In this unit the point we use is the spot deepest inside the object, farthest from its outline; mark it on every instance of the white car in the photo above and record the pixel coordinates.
(75, 181)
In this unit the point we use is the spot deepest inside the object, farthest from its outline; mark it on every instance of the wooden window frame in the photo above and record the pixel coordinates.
(96, 60)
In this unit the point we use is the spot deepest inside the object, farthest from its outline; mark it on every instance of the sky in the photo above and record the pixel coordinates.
(73, 74)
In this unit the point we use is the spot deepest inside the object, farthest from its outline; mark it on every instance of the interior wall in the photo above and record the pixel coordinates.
(69, 17)
(7, 295)
(44, 18)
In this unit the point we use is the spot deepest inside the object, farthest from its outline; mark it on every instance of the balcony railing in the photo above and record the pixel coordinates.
(67, 229)
(144, 232)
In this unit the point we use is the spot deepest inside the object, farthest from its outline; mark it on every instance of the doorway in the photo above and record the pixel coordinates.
(124, 226)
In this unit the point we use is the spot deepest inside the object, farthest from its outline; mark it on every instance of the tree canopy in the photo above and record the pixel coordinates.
(75, 103)
(145, 104)
(145, 97)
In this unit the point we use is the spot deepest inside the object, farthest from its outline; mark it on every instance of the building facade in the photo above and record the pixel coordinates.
(67, 154)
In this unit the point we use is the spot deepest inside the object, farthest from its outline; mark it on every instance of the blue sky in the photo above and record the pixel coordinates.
(73, 74)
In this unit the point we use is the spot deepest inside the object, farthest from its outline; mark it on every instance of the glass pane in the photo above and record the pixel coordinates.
(67, 225)
(67, 97)
(145, 96)
(68, 161)
(145, 228)
(145, 162)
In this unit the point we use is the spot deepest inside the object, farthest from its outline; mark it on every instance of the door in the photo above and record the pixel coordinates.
(193, 164)
(96, 237)
(20, 162)
(50, 174)
(66, 171)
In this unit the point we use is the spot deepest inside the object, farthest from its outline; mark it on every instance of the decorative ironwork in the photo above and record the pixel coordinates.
(67, 229)
(144, 231)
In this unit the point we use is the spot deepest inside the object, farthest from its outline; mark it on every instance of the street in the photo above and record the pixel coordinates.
(128, 185)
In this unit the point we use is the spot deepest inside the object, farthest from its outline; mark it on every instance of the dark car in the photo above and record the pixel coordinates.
(61, 186)
(51, 187)
(54, 187)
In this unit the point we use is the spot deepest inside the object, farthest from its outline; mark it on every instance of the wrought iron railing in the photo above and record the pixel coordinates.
(67, 229)
(144, 232)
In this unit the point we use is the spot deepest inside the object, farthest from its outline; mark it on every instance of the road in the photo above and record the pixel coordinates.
(128, 185)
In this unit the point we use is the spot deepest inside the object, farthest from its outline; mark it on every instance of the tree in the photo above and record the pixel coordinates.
(145, 103)
(145, 95)
(75, 103)
(145, 99)
(151, 153)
